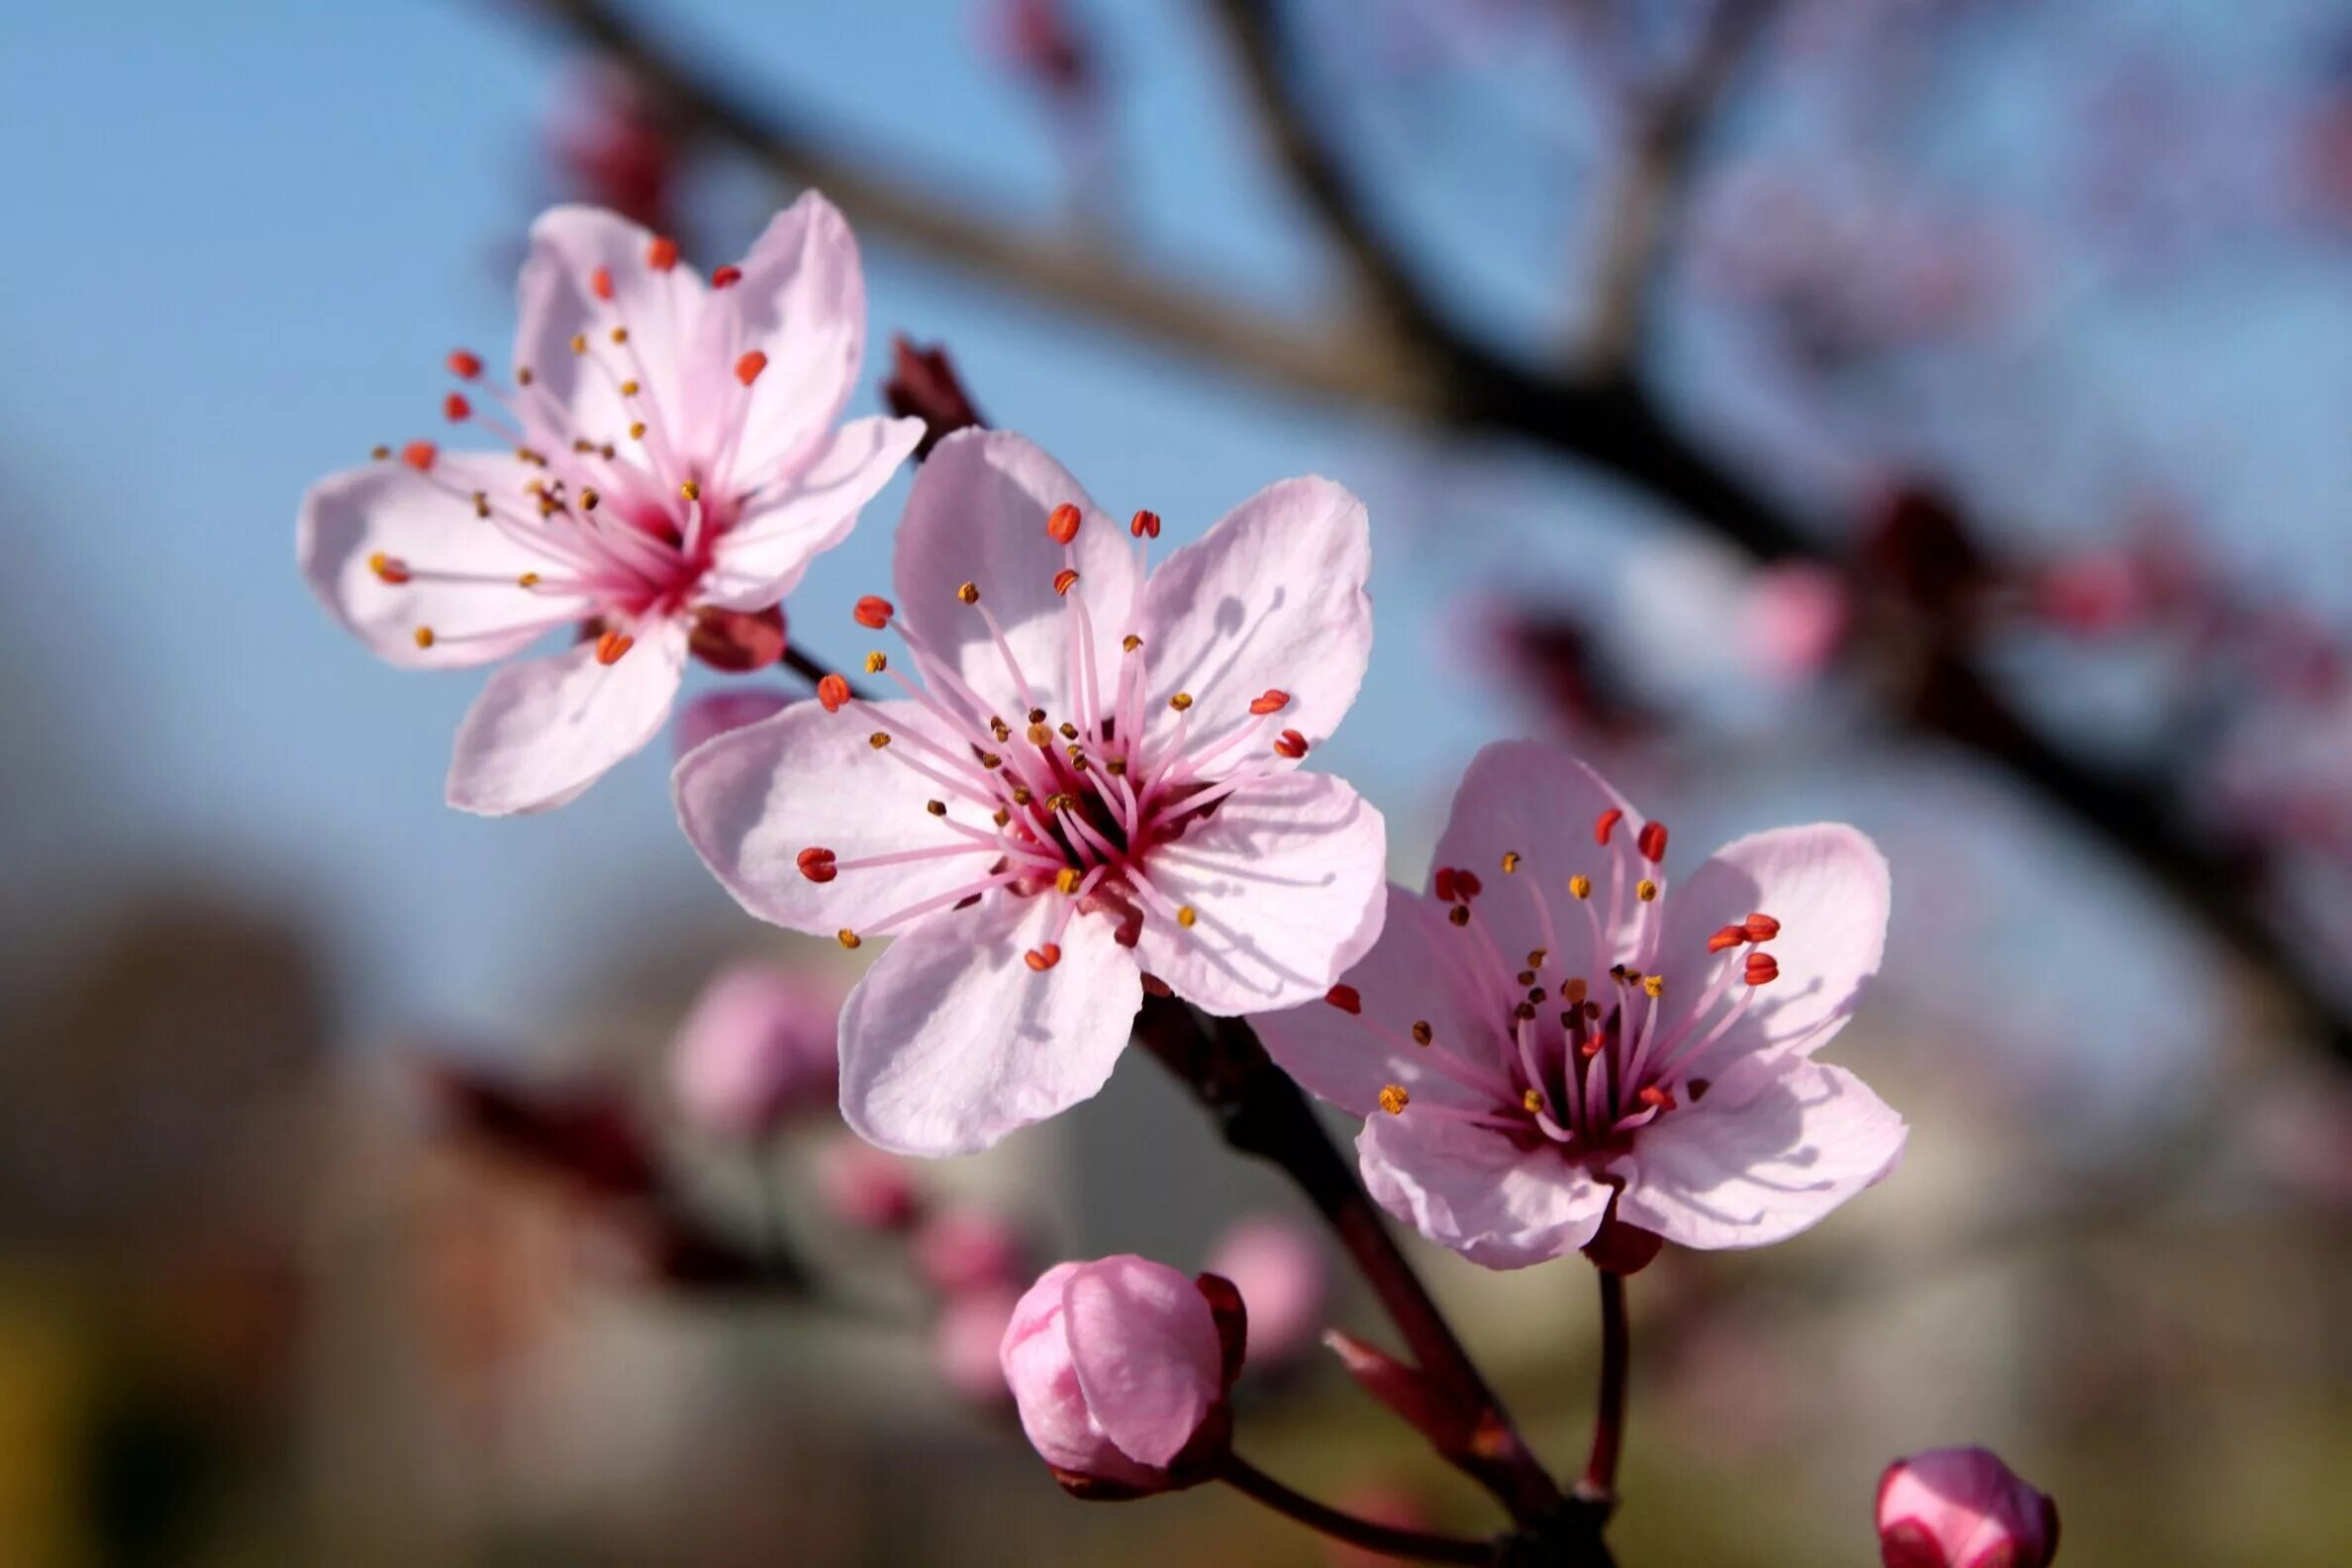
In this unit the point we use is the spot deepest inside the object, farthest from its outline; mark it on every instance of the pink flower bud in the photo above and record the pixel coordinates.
(860, 1184)
(1284, 1277)
(964, 1342)
(758, 1045)
(960, 1251)
(1120, 1371)
(715, 712)
(1962, 1508)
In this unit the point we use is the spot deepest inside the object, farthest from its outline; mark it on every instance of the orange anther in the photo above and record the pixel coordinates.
(1762, 969)
(391, 568)
(611, 646)
(1289, 744)
(600, 284)
(1606, 824)
(419, 454)
(464, 366)
(662, 253)
(873, 611)
(1062, 523)
(816, 864)
(747, 367)
(727, 277)
(832, 692)
(1345, 998)
(1761, 928)
(1065, 580)
(1042, 958)
(1146, 525)
(456, 409)
(1271, 701)
(1656, 1098)
(1728, 936)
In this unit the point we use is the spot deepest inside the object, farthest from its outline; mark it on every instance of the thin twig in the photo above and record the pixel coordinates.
(1609, 1417)
(1385, 1540)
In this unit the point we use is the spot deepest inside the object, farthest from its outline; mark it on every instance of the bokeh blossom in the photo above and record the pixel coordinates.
(1962, 1508)
(757, 1045)
(1092, 788)
(673, 459)
(1549, 1032)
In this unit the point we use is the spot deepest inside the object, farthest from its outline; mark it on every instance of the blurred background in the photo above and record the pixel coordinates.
(1931, 414)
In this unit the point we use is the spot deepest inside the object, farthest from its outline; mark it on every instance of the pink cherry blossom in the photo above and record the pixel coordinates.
(1550, 1030)
(861, 1185)
(964, 1343)
(964, 1249)
(673, 459)
(714, 713)
(1117, 1367)
(757, 1045)
(1094, 782)
(1962, 1508)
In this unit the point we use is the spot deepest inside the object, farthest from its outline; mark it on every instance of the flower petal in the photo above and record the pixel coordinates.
(1287, 880)
(1827, 885)
(977, 514)
(1772, 1149)
(951, 1041)
(1535, 802)
(427, 523)
(542, 732)
(1148, 1354)
(1270, 598)
(1476, 1191)
(557, 296)
(753, 799)
(761, 559)
(1413, 974)
(801, 302)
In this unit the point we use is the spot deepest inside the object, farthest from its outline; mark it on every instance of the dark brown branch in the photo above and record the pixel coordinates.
(1663, 139)
(1385, 1539)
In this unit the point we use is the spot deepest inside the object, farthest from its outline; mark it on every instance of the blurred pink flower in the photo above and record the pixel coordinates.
(613, 145)
(965, 1339)
(714, 713)
(1795, 617)
(1383, 1503)
(1962, 1508)
(1284, 1276)
(1120, 1368)
(967, 1249)
(861, 1185)
(758, 1047)
(1140, 813)
(672, 461)
(1547, 1037)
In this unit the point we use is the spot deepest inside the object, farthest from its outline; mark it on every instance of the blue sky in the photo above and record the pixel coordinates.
(241, 236)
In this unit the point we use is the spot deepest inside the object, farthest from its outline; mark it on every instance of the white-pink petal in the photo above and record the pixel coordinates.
(801, 301)
(753, 799)
(804, 512)
(1769, 1150)
(556, 302)
(951, 1041)
(1147, 1356)
(426, 523)
(1288, 883)
(542, 731)
(1536, 802)
(1478, 1191)
(1829, 888)
(977, 514)
(1270, 598)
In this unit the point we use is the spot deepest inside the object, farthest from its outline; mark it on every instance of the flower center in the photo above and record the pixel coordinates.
(1081, 804)
(1581, 1044)
(625, 520)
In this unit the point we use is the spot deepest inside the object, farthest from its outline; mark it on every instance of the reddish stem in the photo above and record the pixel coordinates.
(1609, 1422)
(1385, 1540)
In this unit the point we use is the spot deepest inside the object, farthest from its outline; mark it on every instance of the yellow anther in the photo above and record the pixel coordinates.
(878, 739)
(1511, 861)
(876, 662)
(1062, 801)
(620, 335)
(848, 938)
(588, 498)
(1581, 885)
(1646, 891)
(524, 376)
(1532, 1100)
(969, 592)
(1535, 958)
(1039, 735)
(1116, 767)
(1130, 641)
(1067, 879)
(1654, 985)
(999, 816)
(1421, 1033)
(1186, 915)
(481, 504)
(1069, 732)
(379, 453)
(936, 808)
(1001, 729)
(691, 490)
(636, 430)
(1393, 1099)
(1022, 795)
(528, 580)
(424, 637)
(1181, 700)
(579, 343)
(629, 388)
(991, 761)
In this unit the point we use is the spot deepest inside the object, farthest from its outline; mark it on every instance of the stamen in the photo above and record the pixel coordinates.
(1459, 913)
(832, 692)
(1062, 524)
(1393, 1099)
(1181, 700)
(1289, 744)
(1646, 891)
(1345, 999)
(379, 451)
(1581, 885)
(1421, 1033)
(1065, 580)
(1728, 936)
(1652, 842)
(878, 739)
(662, 253)
(1043, 957)
(1271, 701)
(1762, 969)
(1511, 865)
(1186, 915)
(747, 368)
(611, 646)
(424, 637)
(873, 611)
(876, 662)
(455, 408)
(727, 277)
(600, 284)
(390, 568)
(817, 864)
(1760, 928)
(848, 938)
(970, 593)
(1606, 824)
(938, 808)
(1146, 525)
(420, 456)
(1532, 1100)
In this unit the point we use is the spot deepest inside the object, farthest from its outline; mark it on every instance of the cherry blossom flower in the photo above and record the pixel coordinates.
(674, 459)
(1962, 1508)
(1094, 788)
(1548, 1031)
(1120, 1368)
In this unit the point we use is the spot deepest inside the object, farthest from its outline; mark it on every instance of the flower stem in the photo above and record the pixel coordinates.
(1263, 1112)
(1609, 1422)
(1385, 1540)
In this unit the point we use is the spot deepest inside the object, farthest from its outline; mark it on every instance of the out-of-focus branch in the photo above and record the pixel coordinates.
(1429, 368)
(1667, 127)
